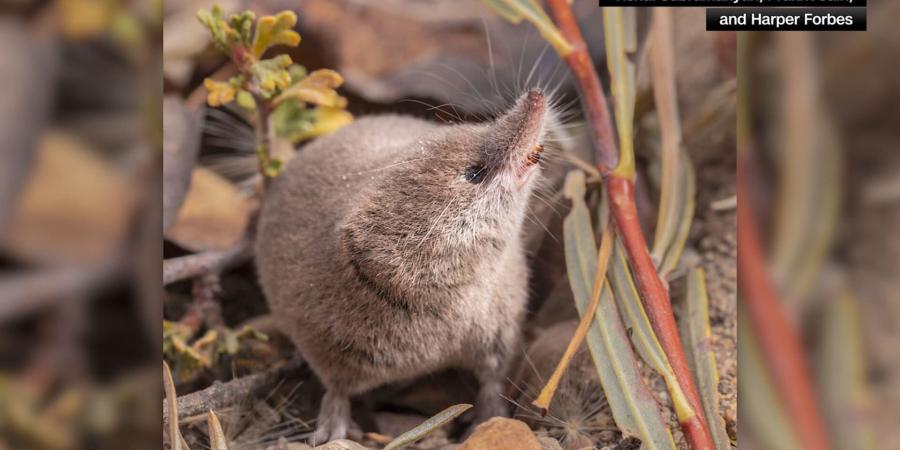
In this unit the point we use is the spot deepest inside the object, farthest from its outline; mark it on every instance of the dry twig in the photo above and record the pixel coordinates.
(220, 395)
(184, 267)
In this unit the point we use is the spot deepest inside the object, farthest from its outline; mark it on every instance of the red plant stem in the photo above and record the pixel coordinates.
(781, 346)
(603, 137)
(657, 304)
(622, 205)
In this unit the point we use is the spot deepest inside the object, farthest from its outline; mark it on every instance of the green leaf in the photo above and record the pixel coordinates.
(633, 407)
(809, 202)
(642, 335)
(317, 88)
(620, 31)
(245, 100)
(516, 10)
(295, 122)
(759, 407)
(275, 30)
(676, 199)
(242, 24)
(433, 423)
(217, 27)
(271, 76)
(270, 167)
(841, 374)
(676, 214)
(292, 119)
(327, 121)
(227, 35)
(697, 337)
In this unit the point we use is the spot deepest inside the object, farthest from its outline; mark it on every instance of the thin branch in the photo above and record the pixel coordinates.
(221, 395)
(184, 267)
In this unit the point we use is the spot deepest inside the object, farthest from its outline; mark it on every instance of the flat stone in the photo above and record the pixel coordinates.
(501, 433)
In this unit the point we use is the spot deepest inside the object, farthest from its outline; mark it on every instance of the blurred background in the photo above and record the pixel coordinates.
(80, 214)
(819, 173)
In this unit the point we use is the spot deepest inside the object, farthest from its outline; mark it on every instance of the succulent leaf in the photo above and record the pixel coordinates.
(220, 93)
(271, 76)
(275, 30)
(317, 88)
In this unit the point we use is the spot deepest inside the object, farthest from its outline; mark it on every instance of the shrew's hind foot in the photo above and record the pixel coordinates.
(489, 404)
(334, 420)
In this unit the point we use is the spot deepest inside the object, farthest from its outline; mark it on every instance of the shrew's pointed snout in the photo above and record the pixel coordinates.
(527, 116)
(516, 136)
(535, 96)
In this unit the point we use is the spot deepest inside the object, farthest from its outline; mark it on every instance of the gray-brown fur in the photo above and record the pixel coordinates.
(383, 261)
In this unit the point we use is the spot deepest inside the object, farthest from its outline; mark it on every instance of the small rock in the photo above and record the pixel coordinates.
(501, 433)
(548, 443)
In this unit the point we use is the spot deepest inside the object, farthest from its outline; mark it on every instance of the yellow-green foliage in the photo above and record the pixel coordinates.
(301, 105)
(189, 357)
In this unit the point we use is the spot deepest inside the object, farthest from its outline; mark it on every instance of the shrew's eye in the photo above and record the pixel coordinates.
(475, 174)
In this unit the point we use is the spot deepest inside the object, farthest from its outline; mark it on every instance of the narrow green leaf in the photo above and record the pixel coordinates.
(240, 25)
(634, 409)
(620, 31)
(635, 316)
(516, 10)
(684, 205)
(438, 420)
(841, 373)
(676, 200)
(642, 334)
(697, 337)
(759, 406)
(808, 161)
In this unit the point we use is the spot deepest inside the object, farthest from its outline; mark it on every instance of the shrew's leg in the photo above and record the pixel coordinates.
(334, 420)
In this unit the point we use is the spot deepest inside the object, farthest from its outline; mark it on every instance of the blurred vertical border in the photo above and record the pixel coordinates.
(819, 170)
(80, 224)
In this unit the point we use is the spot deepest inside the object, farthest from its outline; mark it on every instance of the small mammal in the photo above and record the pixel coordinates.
(391, 249)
